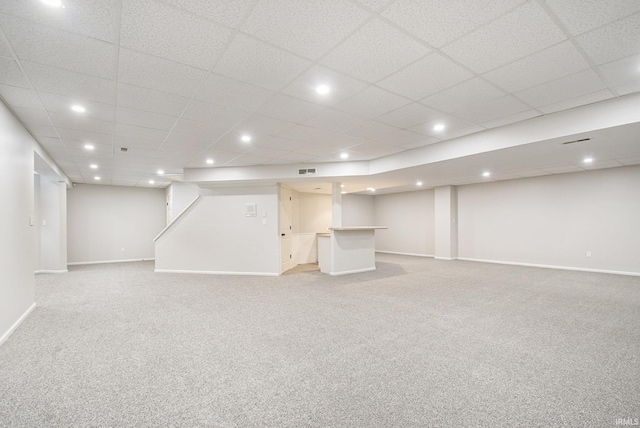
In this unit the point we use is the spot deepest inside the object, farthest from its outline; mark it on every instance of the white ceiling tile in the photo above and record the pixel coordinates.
(375, 51)
(584, 15)
(591, 98)
(62, 104)
(152, 72)
(409, 116)
(341, 86)
(59, 48)
(522, 32)
(621, 72)
(439, 22)
(566, 88)
(225, 12)
(403, 137)
(307, 134)
(260, 64)
(426, 141)
(183, 144)
(245, 160)
(628, 88)
(317, 150)
(506, 120)
(81, 123)
(11, 75)
(76, 138)
(226, 91)
(218, 156)
(258, 126)
(161, 30)
(631, 160)
(5, 49)
(461, 132)
(614, 41)
(69, 83)
(209, 130)
(33, 117)
(289, 109)
(20, 97)
(374, 4)
(128, 116)
(150, 100)
(293, 157)
(452, 125)
(472, 92)
(265, 152)
(490, 110)
(342, 142)
(550, 64)
(49, 143)
(372, 102)
(270, 141)
(333, 120)
(425, 77)
(231, 145)
(133, 139)
(372, 130)
(374, 149)
(562, 169)
(93, 18)
(225, 117)
(603, 164)
(132, 131)
(295, 26)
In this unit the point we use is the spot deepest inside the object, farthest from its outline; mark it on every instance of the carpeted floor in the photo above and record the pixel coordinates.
(419, 342)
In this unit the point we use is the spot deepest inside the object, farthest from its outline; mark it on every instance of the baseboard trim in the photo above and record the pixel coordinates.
(50, 271)
(16, 324)
(446, 258)
(346, 272)
(109, 261)
(614, 272)
(211, 272)
(405, 254)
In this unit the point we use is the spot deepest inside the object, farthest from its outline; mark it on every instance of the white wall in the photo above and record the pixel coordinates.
(312, 212)
(215, 236)
(358, 210)
(102, 220)
(179, 196)
(52, 225)
(554, 220)
(409, 217)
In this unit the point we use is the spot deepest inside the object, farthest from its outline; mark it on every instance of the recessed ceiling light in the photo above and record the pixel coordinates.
(210, 161)
(89, 146)
(438, 127)
(419, 183)
(52, 3)
(342, 185)
(96, 178)
(371, 189)
(323, 89)
(151, 182)
(486, 174)
(160, 172)
(587, 160)
(343, 193)
(78, 108)
(246, 138)
(344, 155)
(93, 166)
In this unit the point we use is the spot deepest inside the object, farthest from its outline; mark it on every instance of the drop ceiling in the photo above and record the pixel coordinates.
(178, 82)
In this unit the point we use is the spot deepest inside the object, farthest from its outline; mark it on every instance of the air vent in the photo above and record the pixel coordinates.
(124, 149)
(576, 141)
(307, 171)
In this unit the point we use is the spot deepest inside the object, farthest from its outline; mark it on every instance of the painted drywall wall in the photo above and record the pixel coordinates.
(179, 196)
(17, 255)
(311, 212)
(215, 235)
(409, 217)
(555, 220)
(358, 210)
(104, 220)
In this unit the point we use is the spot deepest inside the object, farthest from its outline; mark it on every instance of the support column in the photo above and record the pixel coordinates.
(336, 205)
(446, 219)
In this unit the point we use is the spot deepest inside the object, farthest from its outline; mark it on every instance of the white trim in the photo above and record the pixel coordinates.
(404, 254)
(352, 271)
(615, 272)
(446, 258)
(211, 272)
(176, 218)
(16, 324)
(50, 271)
(110, 261)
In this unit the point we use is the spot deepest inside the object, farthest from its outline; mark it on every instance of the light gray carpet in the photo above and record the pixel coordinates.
(419, 342)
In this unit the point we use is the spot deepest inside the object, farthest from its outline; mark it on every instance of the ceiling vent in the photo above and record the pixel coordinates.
(576, 141)
(124, 149)
(307, 171)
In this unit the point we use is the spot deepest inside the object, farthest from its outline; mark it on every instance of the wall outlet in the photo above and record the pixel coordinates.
(588, 253)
